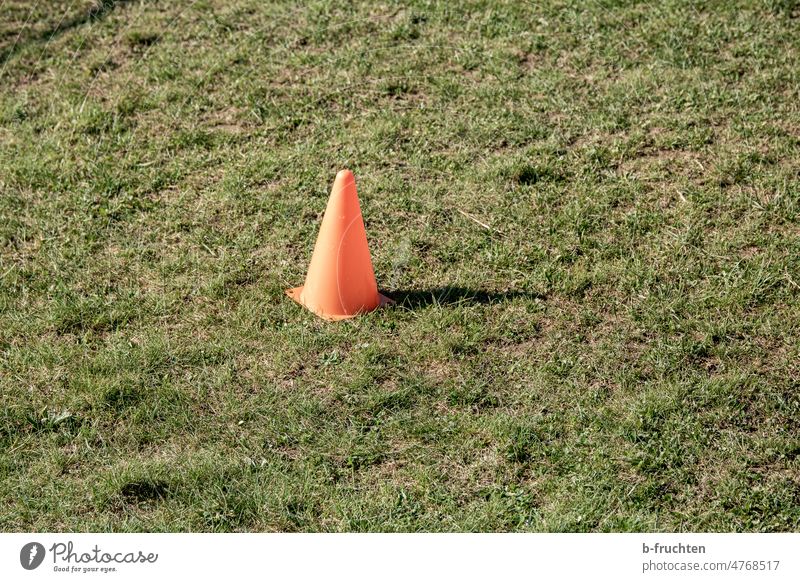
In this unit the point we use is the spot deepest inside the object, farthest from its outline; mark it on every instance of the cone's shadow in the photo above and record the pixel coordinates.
(416, 299)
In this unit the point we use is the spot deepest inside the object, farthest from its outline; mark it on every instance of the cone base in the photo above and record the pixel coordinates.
(296, 293)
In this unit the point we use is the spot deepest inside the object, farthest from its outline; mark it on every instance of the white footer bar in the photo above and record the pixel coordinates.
(356, 557)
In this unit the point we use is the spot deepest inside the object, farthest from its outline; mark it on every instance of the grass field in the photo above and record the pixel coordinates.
(588, 213)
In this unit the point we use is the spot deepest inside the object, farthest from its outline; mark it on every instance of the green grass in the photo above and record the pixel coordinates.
(618, 351)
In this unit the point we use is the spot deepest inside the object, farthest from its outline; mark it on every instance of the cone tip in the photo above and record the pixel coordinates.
(344, 175)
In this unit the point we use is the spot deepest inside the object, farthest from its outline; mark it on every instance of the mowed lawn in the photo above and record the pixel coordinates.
(587, 212)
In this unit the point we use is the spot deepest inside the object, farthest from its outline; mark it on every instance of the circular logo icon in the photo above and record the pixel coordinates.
(31, 555)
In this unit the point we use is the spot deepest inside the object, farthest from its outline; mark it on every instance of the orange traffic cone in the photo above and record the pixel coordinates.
(340, 282)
